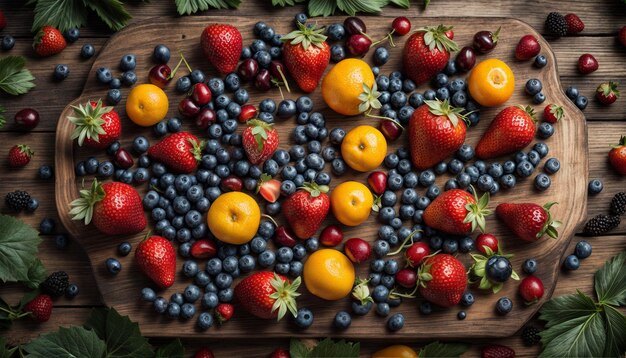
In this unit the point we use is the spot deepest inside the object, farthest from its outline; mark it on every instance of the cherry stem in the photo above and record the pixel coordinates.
(405, 295)
(404, 243)
(270, 218)
(185, 61)
(282, 75)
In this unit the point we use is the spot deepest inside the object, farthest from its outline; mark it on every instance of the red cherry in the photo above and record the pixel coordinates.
(205, 118)
(485, 41)
(390, 129)
(357, 250)
(354, 25)
(201, 94)
(285, 237)
(231, 183)
(416, 253)
(401, 25)
(280, 353)
(203, 249)
(248, 69)
(26, 119)
(466, 59)
(247, 113)
(332, 235)
(123, 159)
(262, 80)
(406, 278)
(378, 182)
(489, 240)
(188, 108)
(531, 289)
(160, 75)
(587, 63)
(358, 44)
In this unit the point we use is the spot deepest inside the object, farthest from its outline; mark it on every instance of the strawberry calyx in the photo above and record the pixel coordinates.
(423, 275)
(435, 37)
(260, 131)
(557, 111)
(444, 109)
(369, 98)
(306, 36)
(361, 291)
(621, 143)
(88, 121)
(377, 204)
(608, 89)
(25, 150)
(285, 295)
(478, 270)
(477, 211)
(315, 189)
(196, 148)
(551, 226)
(82, 208)
(529, 110)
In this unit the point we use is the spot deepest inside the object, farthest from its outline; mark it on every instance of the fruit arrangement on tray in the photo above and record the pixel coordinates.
(254, 220)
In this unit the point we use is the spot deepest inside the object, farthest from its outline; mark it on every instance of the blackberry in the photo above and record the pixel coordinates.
(530, 336)
(618, 204)
(56, 283)
(556, 24)
(601, 224)
(17, 200)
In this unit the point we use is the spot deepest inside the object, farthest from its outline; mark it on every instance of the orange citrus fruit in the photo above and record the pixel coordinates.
(351, 203)
(146, 105)
(364, 148)
(234, 218)
(344, 83)
(491, 82)
(395, 351)
(328, 274)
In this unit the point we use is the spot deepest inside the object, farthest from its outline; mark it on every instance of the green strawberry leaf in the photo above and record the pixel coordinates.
(121, 335)
(75, 341)
(322, 7)
(14, 78)
(584, 336)
(18, 250)
(36, 274)
(615, 323)
(436, 349)
(297, 349)
(174, 349)
(330, 348)
(565, 308)
(5, 352)
(610, 281)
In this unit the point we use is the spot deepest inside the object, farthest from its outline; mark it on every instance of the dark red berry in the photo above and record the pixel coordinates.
(123, 159)
(390, 129)
(231, 183)
(285, 237)
(485, 41)
(377, 181)
(160, 75)
(203, 249)
(358, 44)
(466, 59)
(416, 253)
(205, 118)
(489, 240)
(188, 108)
(406, 277)
(357, 250)
(263, 80)
(354, 25)
(401, 25)
(332, 235)
(531, 289)
(201, 94)
(247, 113)
(26, 119)
(248, 69)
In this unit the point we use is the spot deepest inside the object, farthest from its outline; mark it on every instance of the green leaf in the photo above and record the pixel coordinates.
(610, 281)
(14, 78)
(329, 348)
(28, 296)
(70, 342)
(615, 323)
(402, 3)
(18, 249)
(174, 349)
(62, 14)
(111, 12)
(36, 274)
(121, 335)
(188, 7)
(297, 349)
(565, 308)
(580, 337)
(285, 2)
(2, 119)
(436, 349)
(351, 7)
(5, 352)
(322, 7)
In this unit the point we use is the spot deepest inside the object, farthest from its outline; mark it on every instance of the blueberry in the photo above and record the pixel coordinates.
(361, 309)
(266, 258)
(160, 129)
(284, 254)
(209, 300)
(187, 310)
(571, 93)
(485, 182)
(286, 108)
(542, 182)
(467, 299)
(457, 85)
(113, 266)
(498, 268)
(381, 248)
(335, 32)
(305, 104)
(504, 305)
(524, 169)
(304, 318)
(87, 51)
(337, 52)
(382, 309)
(223, 280)
(148, 294)
(422, 203)
(450, 68)
(426, 308)
(124, 248)
(161, 54)
(8, 42)
(461, 315)
(60, 241)
(191, 293)
(595, 186)
(442, 93)
(539, 98)
(160, 304)
(465, 153)
(61, 72)
(430, 95)
(338, 166)
(173, 310)
(267, 33)
(391, 267)
(455, 166)
(395, 322)
(395, 85)
(582, 250)
(451, 184)
(450, 246)
(581, 102)
(441, 80)
(205, 321)
(114, 96)
(495, 170)
(342, 320)
(32, 205)
(381, 56)
(533, 86)
(46, 226)
(552, 166)
(398, 99)
(529, 266)
(459, 99)
(104, 75)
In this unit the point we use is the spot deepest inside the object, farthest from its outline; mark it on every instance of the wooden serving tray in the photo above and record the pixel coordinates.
(569, 144)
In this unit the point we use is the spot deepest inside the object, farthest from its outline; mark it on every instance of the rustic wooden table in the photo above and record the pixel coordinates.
(602, 20)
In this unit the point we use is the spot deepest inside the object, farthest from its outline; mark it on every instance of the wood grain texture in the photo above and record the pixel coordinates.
(122, 291)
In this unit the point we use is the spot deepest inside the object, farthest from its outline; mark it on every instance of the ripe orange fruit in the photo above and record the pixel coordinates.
(491, 82)
(146, 105)
(395, 351)
(351, 203)
(328, 274)
(364, 148)
(343, 84)
(234, 218)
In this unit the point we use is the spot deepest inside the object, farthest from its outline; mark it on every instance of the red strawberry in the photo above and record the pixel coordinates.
(306, 209)
(436, 131)
(269, 188)
(180, 152)
(260, 141)
(617, 156)
(3, 21)
(49, 41)
(457, 212)
(204, 352)
(97, 126)
(222, 45)
(268, 295)
(621, 36)
(574, 24)
(223, 312)
(19, 155)
(553, 113)
(497, 351)
(529, 221)
(607, 93)
(306, 55)
(427, 52)
(587, 64)
(442, 280)
(512, 129)
(156, 257)
(115, 208)
(531, 289)
(280, 353)
(40, 307)
(527, 48)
